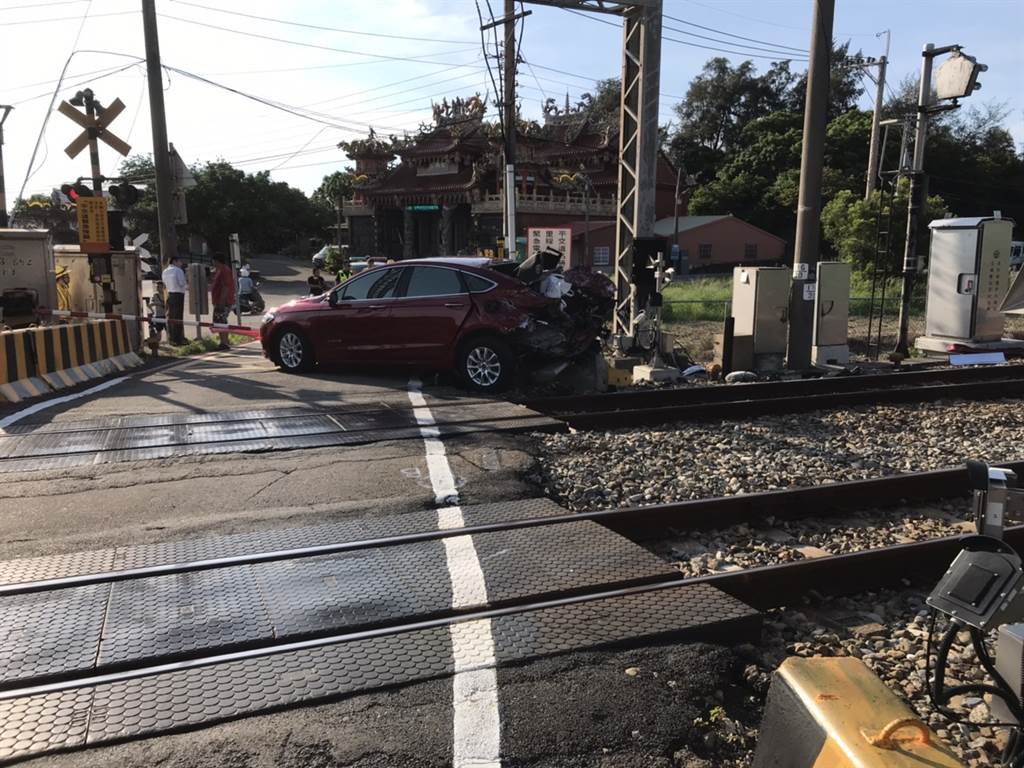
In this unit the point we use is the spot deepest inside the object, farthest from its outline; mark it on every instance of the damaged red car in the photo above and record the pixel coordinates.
(484, 321)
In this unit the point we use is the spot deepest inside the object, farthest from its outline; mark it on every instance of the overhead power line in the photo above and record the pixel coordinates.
(41, 5)
(806, 30)
(745, 54)
(327, 120)
(730, 34)
(424, 58)
(322, 28)
(785, 54)
(62, 18)
(93, 77)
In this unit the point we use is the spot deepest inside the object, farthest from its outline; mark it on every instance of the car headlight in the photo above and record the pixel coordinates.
(268, 318)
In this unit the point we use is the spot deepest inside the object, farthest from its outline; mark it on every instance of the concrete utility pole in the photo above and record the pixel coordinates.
(3, 191)
(808, 215)
(924, 95)
(681, 264)
(876, 118)
(161, 158)
(510, 129)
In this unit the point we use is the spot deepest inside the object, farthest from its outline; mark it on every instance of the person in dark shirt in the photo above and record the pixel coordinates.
(316, 282)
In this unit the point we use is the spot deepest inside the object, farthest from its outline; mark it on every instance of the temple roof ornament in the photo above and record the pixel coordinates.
(459, 110)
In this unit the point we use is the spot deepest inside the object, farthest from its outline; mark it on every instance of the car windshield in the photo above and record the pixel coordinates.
(373, 285)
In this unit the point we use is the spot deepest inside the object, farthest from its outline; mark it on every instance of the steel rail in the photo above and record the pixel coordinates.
(227, 417)
(775, 586)
(273, 649)
(764, 587)
(490, 424)
(652, 398)
(745, 408)
(698, 514)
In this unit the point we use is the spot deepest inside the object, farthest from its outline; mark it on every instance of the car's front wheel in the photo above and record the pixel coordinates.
(485, 364)
(292, 351)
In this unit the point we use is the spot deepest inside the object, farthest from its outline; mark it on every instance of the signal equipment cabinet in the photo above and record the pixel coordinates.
(968, 277)
(760, 310)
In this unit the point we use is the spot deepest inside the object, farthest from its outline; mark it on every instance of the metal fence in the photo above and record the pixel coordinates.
(687, 310)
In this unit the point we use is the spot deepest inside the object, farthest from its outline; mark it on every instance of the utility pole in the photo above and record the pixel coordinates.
(510, 129)
(3, 192)
(682, 265)
(876, 117)
(808, 215)
(161, 158)
(924, 95)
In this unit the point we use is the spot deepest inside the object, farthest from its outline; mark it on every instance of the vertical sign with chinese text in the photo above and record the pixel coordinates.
(93, 234)
(558, 238)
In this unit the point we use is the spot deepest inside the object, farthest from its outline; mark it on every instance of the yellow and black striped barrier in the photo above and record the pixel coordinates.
(39, 359)
(18, 375)
(836, 713)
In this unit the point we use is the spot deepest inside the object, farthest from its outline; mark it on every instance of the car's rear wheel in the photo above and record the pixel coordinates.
(292, 351)
(486, 364)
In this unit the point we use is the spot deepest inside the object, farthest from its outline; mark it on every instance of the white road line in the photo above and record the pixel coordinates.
(45, 404)
(477, 723)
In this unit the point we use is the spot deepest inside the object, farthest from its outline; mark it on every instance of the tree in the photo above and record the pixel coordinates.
(267, 215)
(720, 102)
(844, 84)
(333, 189)
(849, 224)
(603, 110)
(140, 171)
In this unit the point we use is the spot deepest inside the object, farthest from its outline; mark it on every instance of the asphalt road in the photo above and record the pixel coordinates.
(583, 709)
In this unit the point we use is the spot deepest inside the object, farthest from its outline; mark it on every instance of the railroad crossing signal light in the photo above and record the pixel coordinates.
(124, 194)
(958, 76)
(75, 191)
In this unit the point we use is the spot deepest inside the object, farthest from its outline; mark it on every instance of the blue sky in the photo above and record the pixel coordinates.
(341, 82)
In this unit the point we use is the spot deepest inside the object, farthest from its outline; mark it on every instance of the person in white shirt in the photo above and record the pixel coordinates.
(174, 279)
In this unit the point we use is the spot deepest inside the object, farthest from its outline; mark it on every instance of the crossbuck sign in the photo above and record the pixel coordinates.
(94, 126)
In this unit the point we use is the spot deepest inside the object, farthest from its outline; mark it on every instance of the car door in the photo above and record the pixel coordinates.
(354, 327)
(425, 320)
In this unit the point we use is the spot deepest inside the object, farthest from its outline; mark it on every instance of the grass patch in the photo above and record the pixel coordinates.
(710, 298)
(201, 346)
(706, 298)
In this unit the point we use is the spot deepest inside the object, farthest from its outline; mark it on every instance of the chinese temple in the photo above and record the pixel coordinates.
(439, 193)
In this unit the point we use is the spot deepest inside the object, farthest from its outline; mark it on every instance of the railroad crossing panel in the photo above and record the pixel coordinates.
(59, 445)
(98, 629)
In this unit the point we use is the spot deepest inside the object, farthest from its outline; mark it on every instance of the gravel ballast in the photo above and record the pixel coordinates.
(698, 553)
(594, 470)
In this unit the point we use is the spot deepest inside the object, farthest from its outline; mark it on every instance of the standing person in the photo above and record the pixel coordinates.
(344, 273)
(222, 294)
(63, 289)
(317, 284)
(158, 311)
(174, 278)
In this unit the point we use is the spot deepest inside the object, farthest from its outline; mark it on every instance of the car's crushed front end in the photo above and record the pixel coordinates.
(560, 326)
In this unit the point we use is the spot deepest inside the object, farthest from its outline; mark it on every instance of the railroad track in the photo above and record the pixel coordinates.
(659, 406)
(762, 587)
(226, 671)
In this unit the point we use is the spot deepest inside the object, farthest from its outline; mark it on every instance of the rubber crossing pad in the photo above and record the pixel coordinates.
(163, 618)
(192, 698)
(63, 445)
(88, 630)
